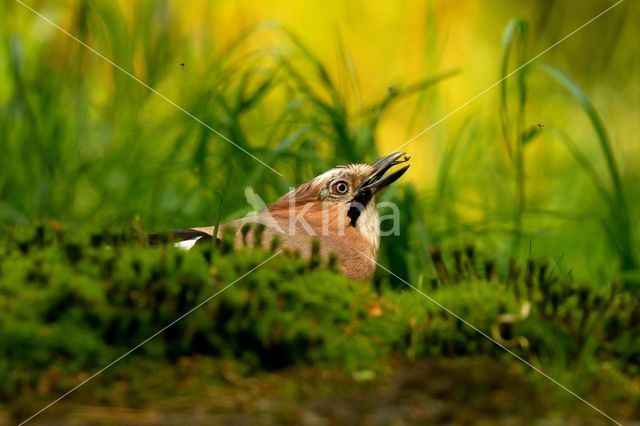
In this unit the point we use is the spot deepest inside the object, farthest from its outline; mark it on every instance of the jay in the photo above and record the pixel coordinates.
(336, 208)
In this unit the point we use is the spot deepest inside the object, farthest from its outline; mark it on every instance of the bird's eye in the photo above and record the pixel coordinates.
(341, 187)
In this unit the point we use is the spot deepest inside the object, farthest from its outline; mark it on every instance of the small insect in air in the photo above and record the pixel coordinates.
(540, 124)
(181, 65)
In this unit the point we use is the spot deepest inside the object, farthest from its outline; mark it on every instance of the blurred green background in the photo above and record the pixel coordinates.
(542, 166)
(308, 86)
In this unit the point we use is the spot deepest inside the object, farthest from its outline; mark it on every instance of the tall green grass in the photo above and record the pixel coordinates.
(85, 141)
(84, 144)
(617, 223)
(513, 123)
(519, 133)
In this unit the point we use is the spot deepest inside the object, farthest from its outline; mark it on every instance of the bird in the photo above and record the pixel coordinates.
(336, 208)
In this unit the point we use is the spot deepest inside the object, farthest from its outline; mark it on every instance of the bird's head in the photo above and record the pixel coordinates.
(346, 192)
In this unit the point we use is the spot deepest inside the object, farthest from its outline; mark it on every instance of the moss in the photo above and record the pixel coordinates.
(77, 313)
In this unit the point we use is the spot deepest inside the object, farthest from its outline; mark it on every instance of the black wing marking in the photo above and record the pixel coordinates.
(178, 236)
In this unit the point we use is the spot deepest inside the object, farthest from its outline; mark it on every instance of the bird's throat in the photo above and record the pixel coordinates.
(358, 205)
(364, 217)
(368, 224)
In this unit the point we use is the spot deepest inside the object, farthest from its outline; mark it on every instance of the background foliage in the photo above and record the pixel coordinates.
(83, 141)
(539, 170)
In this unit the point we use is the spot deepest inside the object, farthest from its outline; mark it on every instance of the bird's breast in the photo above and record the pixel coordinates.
(355, 246)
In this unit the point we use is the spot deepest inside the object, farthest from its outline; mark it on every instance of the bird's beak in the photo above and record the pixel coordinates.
(377, 181)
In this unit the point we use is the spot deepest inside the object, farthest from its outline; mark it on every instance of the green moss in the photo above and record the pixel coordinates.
(77, 313)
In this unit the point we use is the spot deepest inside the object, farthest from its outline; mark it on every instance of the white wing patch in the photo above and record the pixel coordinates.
(187, 244)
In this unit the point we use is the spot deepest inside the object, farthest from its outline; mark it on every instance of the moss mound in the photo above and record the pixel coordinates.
(73, 303)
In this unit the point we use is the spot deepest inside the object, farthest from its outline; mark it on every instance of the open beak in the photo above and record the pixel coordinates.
(377, 181)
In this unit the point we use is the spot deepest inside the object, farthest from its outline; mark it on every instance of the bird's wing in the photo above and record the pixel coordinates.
(182, 238)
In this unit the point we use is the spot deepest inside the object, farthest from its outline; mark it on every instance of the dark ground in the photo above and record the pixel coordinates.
(433, 391)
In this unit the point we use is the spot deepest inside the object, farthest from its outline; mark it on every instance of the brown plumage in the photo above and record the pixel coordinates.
(337, 208)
